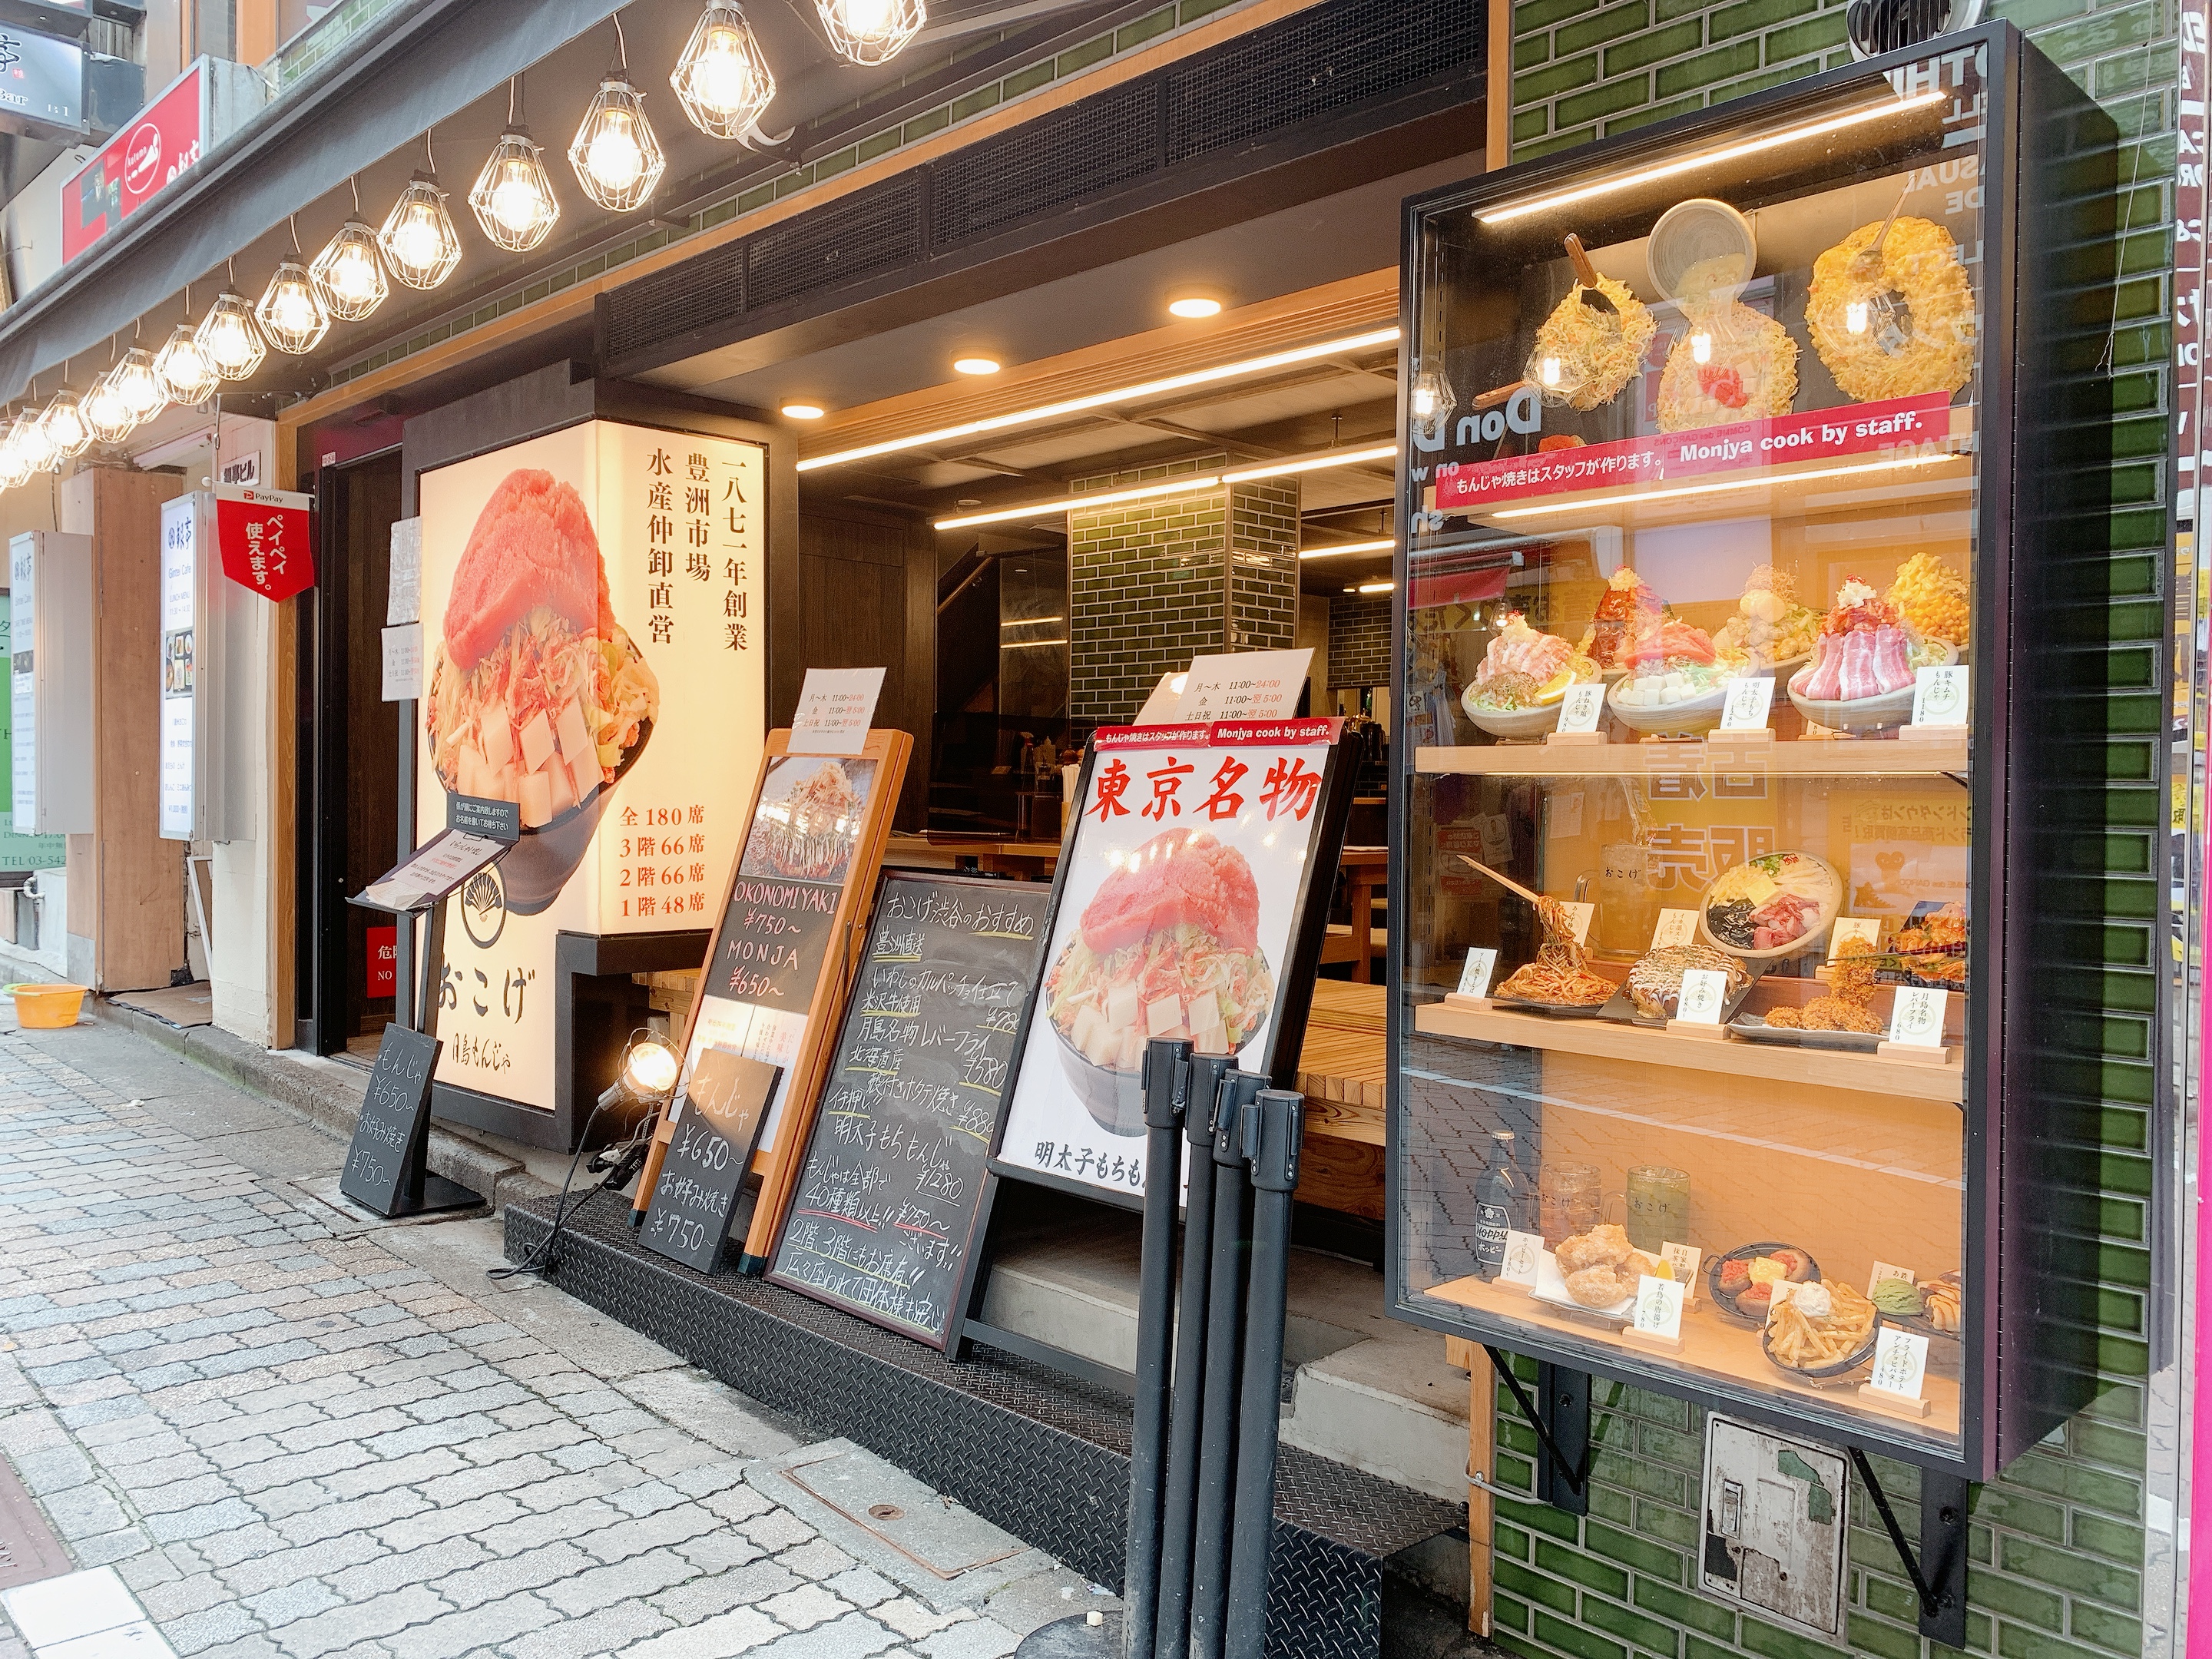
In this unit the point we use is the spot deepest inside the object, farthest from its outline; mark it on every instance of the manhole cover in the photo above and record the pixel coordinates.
(898, 1510)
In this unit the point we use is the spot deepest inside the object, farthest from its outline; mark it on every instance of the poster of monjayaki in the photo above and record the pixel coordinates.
(594, 651)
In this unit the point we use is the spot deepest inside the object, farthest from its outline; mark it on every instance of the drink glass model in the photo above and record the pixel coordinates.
(1571, 1200)
(1658, 1207)
(1628, 902)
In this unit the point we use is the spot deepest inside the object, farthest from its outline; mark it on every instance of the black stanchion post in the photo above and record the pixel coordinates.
(1275, 1125)
(1224, 1319)
(1167, 1083)
(1171, 1633)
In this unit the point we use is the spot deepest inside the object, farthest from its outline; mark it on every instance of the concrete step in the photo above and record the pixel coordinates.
(1367, 1390)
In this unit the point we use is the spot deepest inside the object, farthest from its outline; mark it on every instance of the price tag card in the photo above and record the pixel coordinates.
(1675, 927)
(836, 709)
(1244, 685)
(1523, 1259)
(1685, 1259)
(1901, 1362)
(1866, 928)
(1704, 993)
(1578, 918)
(1915, 1019)
(1883, 1270)
(1658, 1307)
(1939, 696)
(1474, 977)
(1745, 709)
(1582, 708)
(1497, 832)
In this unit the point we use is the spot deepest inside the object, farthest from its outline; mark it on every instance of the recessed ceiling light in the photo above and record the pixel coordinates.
(1193, 303)
(966, 502)
(802, 411)
(976, 365)
(1375, 587)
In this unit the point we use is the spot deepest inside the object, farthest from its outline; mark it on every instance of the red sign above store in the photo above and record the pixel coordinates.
(166, 137)
(267, 538)
(1901, 423)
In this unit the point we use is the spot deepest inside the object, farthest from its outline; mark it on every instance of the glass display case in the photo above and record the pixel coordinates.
(1746, 459)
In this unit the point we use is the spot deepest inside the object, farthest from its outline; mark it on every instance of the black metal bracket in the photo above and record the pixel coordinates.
(1938, 1571)
(1560, 1414)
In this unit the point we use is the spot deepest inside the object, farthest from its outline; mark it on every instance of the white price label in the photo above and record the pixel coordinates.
(1583, 706)
(1884, 1270)
(1745, 709)
(1675, 927)
(1685, 1259)
(1564, 820)
(1939, 696)
(1901, 1362)
(1866, 928)
(403, 663)
(1474, 977)
(1917, 1017)
(1658, 1306)
(1704, 993)
(1578, 918)
(1524, 1259)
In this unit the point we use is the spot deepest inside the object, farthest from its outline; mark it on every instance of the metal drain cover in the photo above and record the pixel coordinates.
(28, 1549)
(932, 1532)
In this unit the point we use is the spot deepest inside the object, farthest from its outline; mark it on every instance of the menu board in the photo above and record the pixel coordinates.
(390, 1115)
(888, 1206)
(705, 1170)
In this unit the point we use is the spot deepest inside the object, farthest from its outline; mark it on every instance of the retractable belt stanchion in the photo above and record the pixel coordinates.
(1273, 1125)
(1225, 1317)
(1167, 1082)
(1172, 1633)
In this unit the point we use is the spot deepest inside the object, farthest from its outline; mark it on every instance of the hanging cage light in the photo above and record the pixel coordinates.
(186, 375)
(65, 428)
(1429, 402)
(349, 273)
(28, 435)
(512, 197)
(290, 310)
(107, 412)
(228, 337)
(14, 465)
(136, 381)
(418, 236)
(723, 80)
(617, 159)
(871, 31)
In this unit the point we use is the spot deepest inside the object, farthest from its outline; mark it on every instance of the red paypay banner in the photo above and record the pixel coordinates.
(267, 539)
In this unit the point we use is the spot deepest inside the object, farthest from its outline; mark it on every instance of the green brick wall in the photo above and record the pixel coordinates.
(2057, 1544)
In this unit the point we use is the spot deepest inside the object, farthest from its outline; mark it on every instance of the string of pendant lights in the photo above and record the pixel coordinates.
(723, 84)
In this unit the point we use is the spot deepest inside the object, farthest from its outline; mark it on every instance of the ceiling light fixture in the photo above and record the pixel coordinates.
(1182, 486)
(1192, 304)
(723, 80)
(617, 159)
(64, 423)
(1386, 544)
(1126, 394)
(141, 386)
(512, 197)
(29, 434)
(185, 373)
(1313, 463)
(418, 236)
(1638, 498)
(976, 365)
(227, 335)
(107, 412)
(290, 310)
(803, 412)
(871, 31)
(349, 273)
(1373, 588)
(1711, 158)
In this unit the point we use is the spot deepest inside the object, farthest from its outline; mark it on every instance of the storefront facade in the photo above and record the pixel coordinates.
(1040, 208)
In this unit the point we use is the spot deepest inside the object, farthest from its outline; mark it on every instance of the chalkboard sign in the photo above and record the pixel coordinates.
(885, 1215)
(399, 1098)
(716, 1121)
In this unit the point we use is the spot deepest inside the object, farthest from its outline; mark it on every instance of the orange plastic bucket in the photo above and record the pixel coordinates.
(46, 1007)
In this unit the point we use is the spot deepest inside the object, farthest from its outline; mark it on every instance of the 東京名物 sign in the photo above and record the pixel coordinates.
(160, 143)
(267, 538)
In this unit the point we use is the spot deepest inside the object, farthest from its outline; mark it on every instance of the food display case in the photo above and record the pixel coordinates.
(1751, 474)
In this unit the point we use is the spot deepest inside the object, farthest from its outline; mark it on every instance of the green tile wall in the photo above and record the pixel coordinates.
(2057, 1543)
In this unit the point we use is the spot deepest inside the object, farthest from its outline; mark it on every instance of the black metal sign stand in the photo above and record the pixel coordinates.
(421, 1192)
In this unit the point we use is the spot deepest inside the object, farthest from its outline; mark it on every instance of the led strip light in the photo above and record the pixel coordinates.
(1182, 486)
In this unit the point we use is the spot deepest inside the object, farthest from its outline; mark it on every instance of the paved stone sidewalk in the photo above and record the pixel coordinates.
(293, 1434)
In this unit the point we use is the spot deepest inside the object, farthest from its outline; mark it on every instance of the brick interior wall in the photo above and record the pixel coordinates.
(2058, 1543)
(1358, 640)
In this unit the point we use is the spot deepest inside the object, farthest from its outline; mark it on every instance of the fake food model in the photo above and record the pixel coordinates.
(1593, 343)
(1733, 365)
(1559, 978)
(1627, 610)
(1891, 312)
(1673, 679)
(1654, 984)
(1864, 663)
(1777, 904)
(1168, 947)
(1770, 626)
(1523, 676)
(1824, 1329)
(1600, 1267)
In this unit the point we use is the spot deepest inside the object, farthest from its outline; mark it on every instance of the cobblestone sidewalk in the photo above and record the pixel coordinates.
(295, 1435)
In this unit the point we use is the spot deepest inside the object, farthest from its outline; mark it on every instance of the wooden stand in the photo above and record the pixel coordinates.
(1470, 1005)
(1749, 734)
(1652, 1342)
(1696, 1029)
(1574, 741)
(1913, 1054)
(1903, 1404)
(1952, 734)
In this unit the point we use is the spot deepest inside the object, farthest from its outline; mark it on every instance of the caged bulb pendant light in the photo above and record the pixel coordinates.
(227, 335)
(105, 409)
(64, 423)
(349, 273)
(512, 198)
(418, 239)
(871, 31)
(139, 384)
(723, 79)
(35, 448)
(617, 159)
(14, 464)
(290, 310)
(185, 373)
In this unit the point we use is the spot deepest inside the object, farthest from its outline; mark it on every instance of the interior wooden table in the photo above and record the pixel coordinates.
(1031, 860)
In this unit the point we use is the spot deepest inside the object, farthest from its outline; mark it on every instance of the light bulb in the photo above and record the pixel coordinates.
(64, 423)
(14, 465)
(291, 313)
(105, 412)
(1855, 316)
(185, 373)
(722, 80)
(229, 338)
(138, 386)
(617, 159)
(1701, 347)
(37, 448)
(1424, 401)
(871, 31)
(512, 197)
(418, 236)
(349, 273)
(1429, 400)
(1550, 371)
(651, 1068)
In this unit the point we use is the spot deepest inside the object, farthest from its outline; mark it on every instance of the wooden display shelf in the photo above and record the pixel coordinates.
(1804, 758)
(1715, 1347)
(1605, 1039)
